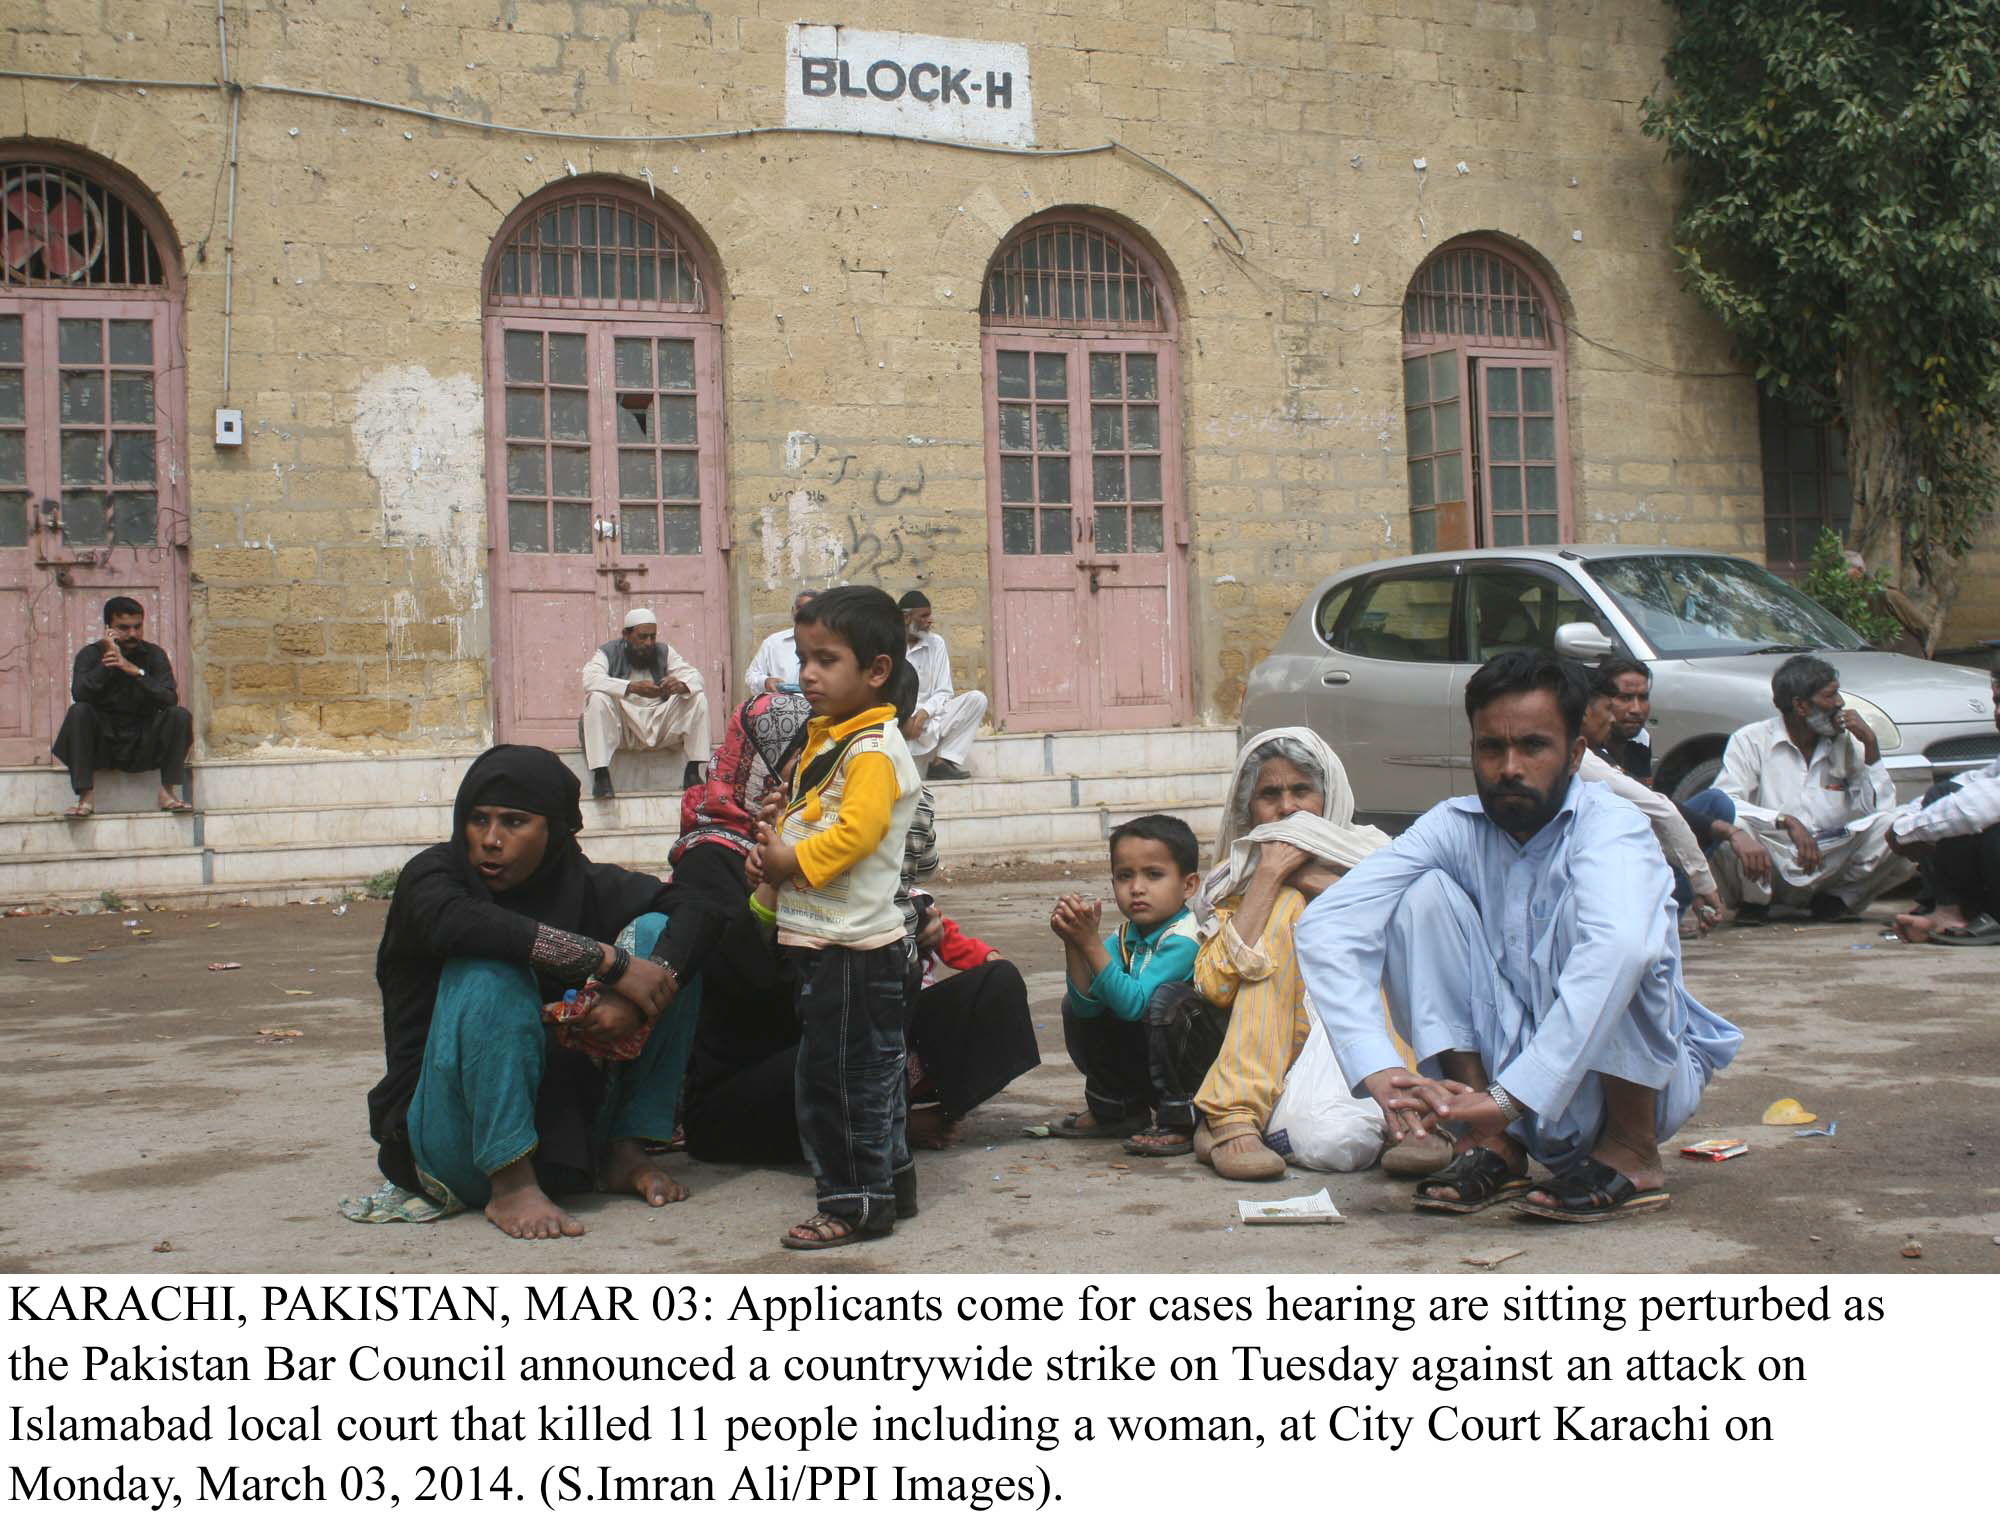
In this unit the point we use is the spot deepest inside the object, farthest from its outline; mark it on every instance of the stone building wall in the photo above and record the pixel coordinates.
(338, 557)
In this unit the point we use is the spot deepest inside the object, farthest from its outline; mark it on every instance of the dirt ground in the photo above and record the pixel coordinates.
(147, 1127)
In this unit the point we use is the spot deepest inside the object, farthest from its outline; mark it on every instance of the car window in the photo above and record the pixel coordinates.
(1327, 617)
(1692, 606)
(1405, 617)
(1515, 608)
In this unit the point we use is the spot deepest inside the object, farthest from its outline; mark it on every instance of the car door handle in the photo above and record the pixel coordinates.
(1336, 676)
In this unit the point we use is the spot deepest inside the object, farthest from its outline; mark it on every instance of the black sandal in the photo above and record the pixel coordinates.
(1479, 1177)
(1590, 1191)
(848, 1232)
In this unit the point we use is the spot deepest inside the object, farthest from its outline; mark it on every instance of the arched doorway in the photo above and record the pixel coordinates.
(1485, 412)
(93, 456)
(1087, 518)
(604, 447)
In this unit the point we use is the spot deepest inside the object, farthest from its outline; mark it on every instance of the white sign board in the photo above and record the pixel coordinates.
(903, 82)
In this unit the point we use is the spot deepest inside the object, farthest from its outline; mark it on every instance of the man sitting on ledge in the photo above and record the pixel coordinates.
(639, 693)
(1526, 941)
(126, 716)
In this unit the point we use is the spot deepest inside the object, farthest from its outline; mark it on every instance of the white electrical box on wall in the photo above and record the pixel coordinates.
(229, 427)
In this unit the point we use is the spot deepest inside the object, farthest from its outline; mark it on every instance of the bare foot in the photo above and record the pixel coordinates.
(169, 802)
(1505, 1146)
(932, 1130)
(626, 1166)
(1917, 928)
(520, 1208)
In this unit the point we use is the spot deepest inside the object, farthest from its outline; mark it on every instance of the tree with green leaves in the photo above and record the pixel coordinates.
(1842, 218)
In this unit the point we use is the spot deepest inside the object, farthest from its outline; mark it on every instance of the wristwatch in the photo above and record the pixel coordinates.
(1504, 1100)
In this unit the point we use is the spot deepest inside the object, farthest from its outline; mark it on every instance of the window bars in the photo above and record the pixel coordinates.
(1071, 275)
(1477, 296)
(596, 252)
(61, 229)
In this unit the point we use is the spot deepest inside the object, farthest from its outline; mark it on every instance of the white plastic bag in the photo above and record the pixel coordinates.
(1318, 1123)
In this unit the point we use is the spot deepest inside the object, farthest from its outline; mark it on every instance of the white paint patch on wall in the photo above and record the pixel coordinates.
(423, 441)
(801, 546)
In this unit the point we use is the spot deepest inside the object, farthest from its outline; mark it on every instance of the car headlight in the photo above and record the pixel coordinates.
(1887, 736)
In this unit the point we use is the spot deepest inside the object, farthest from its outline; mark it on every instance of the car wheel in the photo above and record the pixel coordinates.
(1699, 777)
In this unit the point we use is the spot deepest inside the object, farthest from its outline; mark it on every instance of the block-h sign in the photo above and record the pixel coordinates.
(904, 82)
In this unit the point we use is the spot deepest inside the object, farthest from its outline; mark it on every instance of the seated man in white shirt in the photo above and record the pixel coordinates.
(1953, 836)
(1811, 786)
(942, 728)
(639, 693)
(776, 666)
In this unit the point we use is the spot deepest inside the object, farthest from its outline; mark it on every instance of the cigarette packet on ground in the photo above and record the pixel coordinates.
(1306, 1210)
(1715, 1149)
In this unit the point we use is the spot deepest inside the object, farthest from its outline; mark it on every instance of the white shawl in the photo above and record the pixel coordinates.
(1331, 837)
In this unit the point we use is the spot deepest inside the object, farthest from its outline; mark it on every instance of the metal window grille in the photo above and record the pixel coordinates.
(62, 229)
(597, 252)
(1476, 296)
(1066, 275)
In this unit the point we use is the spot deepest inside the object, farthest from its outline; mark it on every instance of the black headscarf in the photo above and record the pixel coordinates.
(529, 780)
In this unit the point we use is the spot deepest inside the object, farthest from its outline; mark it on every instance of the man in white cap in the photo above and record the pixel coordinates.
(639, 693)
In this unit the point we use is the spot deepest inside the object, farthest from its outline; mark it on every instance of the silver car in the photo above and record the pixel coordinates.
(1376, 663)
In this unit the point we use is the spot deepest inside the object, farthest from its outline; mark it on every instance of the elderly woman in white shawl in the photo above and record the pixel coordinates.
(1288, 833)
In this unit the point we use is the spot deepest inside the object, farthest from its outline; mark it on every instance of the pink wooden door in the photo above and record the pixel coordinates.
(604, 446)
(1088, 540)
(92, 496)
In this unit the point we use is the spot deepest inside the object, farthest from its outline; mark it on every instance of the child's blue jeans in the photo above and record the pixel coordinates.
(853, 1083)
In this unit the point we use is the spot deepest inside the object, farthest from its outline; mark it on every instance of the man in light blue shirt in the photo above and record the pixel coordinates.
(1527, 943)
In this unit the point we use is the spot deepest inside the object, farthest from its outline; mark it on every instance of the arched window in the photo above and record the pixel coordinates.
(1087, 528)
(603, 359)
(1484, 413)
(92, 448)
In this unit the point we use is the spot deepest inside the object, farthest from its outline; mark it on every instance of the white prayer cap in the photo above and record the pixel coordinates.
(639, 615)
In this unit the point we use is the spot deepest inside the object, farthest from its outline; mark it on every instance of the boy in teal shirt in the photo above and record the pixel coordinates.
(1124, 992)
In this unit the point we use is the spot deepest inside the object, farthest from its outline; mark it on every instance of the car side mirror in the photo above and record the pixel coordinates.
(1583, 641)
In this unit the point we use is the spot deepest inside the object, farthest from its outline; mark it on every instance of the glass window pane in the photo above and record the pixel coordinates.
(13, 519)
(82, 457)
(677, 364)
(132, 343)
(524, 414)
(1107, 479)
(1016, 432)
(1777, 539)
(1417, 381)
(1417, 432)
(572, 527)
(1149, 530)
(566, 361)
(1017, 532)
(1450, 485)
(83, 519)
(1105, 381)
(677, 421)
(1421, 481)
(13, 456)
(1013, 373)
(1055, 533)
(632, 363)
(1110, 533)
(680, 476)
(523, 356)
(10, 337)
(1107, 427)
(1051, 376)
(1142, 426)
(80, 339)
(1538, 439)
(83, 397)
(1503, 388)
(13, 400)
(1542, 530)
(1444, 375)
(1051, 429)
(683, 532)
(1017, 480)
(1542, 488)
(1423, 531)
(525, 470)
(638, 528)
(1503, 440)
(569, 471)
(1146, 479)
(131, 399)
(569, 416)
(637, 477)
(1444, 431)
(527, 526)
(1506, 489)
(1404, 618)
(1507, 530)
(1055, 479)
(131, 457)
(635, 417)
(1538, 389)
(1142, 376)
